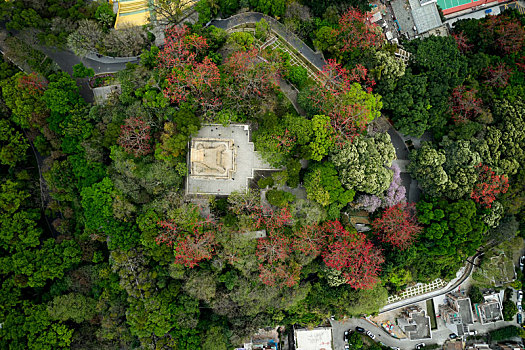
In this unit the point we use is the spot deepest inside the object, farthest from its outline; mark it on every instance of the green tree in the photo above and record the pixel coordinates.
(22, 94)
(509, 310)
(13, 146)
(105, 15)
(475, 295)
(363, 164)
(72, 306)
(81, 71)
(409, 104)
(323, 186)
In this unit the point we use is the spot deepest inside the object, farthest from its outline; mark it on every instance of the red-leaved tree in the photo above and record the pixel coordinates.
(135, 136)
(198, 80)
(349, 115)
(462, 42)
(250, 74)
(310, 240)
(498, 75)
(273, 251)
(33, 84)
(279, 275)
(353, 255)
(186, 76)
(398, 225)
(275, 247)
(180, 47)
(508, 34)
(191, 243)
(489, 185)
(356, 33)
(464, 104)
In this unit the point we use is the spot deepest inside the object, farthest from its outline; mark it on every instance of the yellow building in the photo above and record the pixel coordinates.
(132, 12)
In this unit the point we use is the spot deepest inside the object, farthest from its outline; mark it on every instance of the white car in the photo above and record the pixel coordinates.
(522, 262)
(520, 296)
(370, 334)
(520, 309)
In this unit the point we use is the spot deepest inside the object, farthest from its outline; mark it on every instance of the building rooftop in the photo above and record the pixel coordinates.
(426, 17)
(416, 325)
(221, 160)
(315, 339)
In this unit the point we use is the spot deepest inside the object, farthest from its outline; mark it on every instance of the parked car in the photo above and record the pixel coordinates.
(346, 336)
(472, 332)
(520, 319)
(452, 335)
(522, 262)
(394, 348)
(420, 346)
(370, 334)
(347, 347)
(520, 308)
(520, 296)
(359, 329)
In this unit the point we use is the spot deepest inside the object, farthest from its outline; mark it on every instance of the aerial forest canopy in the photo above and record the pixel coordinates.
(101, 246)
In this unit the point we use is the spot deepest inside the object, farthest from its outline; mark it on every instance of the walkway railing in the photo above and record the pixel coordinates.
(315, 58)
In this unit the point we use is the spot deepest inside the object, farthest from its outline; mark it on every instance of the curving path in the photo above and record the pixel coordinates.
(315, 58)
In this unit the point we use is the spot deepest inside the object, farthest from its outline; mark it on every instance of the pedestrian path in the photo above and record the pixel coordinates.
(242, 19)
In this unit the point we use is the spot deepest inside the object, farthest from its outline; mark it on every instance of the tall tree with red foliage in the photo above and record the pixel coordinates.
(135, 136)
(198, 80)
(507, 33)
(186, 76)
(192, 243)
(353, 255)
(250, 74)
(310, 240)
(356, 33)
(464, 104)
(489, 185)
(279, 275)
(498, 75)
(462, 42)
(341, 97)
(34, 84)
(398, 225)
(180, 47)
(276, 247)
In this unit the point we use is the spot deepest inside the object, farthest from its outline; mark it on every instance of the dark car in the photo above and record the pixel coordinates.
(359, 329)
(420, 346)
(452, 335)
(520, 320)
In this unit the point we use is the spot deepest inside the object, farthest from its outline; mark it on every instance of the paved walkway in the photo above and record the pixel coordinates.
(315, 58)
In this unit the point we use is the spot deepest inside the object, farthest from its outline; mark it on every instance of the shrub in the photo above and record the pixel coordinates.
(262, 29)
(241, 40)
(265, 182)
(81, 71)
(293, 167)
(504, 333)
(279, 198)
(297, 75)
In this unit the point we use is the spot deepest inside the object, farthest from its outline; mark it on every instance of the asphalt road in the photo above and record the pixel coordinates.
(339, 327)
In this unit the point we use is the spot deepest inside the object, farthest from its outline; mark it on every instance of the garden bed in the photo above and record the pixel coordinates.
(102, 80)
